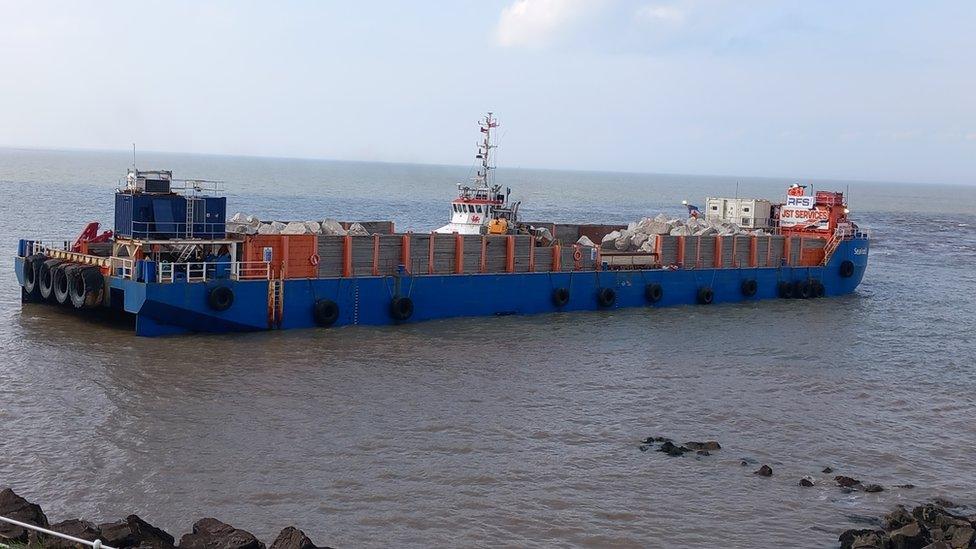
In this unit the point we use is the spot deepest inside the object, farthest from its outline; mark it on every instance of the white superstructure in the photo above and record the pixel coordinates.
(477, 205)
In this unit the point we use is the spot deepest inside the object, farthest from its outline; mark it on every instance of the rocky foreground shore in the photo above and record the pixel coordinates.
(928, 526)
(132, 531)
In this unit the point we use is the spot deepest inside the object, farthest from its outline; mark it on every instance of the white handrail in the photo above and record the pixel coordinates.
(199, 271)
(97, 544)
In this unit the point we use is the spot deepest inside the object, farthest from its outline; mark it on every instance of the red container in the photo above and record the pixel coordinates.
(291, 255)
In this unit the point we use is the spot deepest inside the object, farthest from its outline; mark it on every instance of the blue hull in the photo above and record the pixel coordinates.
(173, 308)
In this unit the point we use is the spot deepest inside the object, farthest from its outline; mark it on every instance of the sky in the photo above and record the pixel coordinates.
(877, 90)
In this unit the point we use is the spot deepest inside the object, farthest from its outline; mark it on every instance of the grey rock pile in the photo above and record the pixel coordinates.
(241, 223)
(641, 236)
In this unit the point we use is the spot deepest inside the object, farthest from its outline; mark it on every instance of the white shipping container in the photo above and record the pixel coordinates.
(750, 213)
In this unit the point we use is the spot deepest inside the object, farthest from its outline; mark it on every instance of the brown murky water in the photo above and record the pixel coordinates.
(502, 431)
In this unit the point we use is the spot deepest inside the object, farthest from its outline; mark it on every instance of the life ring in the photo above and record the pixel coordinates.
(560, 297)
(220, 298)
(749, 287)
(314, 259)
(578, 255)
(401, 308)
(705, 295)
(847, 268)
(326, 312)
(606, 297)
(785, 290)
(653, 292)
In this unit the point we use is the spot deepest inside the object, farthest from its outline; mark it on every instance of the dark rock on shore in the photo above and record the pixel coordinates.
(873, 488)
(293, 538)
(897, 518)
(210, 533)
(73, 527)
(864, 539)
(910, 536)
(653, 440)
(17, 508)
(827, 470)
(846, 482)
(709, 446)
(670, 449)
(764, 471)
(928, 526)
(132, 531)
(806, 482)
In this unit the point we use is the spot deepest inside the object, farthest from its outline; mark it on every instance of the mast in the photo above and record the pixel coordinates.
(484, 177)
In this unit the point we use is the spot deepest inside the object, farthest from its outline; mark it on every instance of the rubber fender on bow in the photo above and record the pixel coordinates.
(749, 287)
(325, 312)
(220, 298)
(560, 297)
(847, 268)
(45, 278)
(653, 292)
(63, 274)
(86, 287)
(606, 297)
(401, 308)
(32, 266)
(706, 295)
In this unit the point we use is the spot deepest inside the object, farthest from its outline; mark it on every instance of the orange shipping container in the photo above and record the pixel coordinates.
(290, 255)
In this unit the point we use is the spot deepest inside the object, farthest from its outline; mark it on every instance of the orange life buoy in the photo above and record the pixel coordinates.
(314, 260)
(578, 255)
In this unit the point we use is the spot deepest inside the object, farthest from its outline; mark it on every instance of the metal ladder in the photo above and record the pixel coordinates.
(189, 217)
(185, 253)
(830, 247)
(276, 302)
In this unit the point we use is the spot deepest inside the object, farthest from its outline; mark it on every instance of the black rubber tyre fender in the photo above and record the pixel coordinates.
(63, 274)
(653, 292)
(803, 289)
(819, 290)
(847, 268)
(401, 308)
(785, 290)
(749, 287)
(325, 312)
(606, 297)
(706, 295)
(32, 267)
(220, 298)
(45, 278)
(86, 287)
(560, 297)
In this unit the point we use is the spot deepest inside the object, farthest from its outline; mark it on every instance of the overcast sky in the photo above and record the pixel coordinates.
(882, 90)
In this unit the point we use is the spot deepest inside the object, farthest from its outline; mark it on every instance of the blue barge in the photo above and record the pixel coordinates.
(175, 264)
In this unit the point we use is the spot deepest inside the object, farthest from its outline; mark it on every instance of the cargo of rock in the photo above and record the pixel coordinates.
(241, 223)
(641, 236)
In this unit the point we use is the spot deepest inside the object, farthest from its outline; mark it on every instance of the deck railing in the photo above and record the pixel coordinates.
(202, 271)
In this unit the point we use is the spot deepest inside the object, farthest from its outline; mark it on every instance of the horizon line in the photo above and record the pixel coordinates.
(446, 165)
